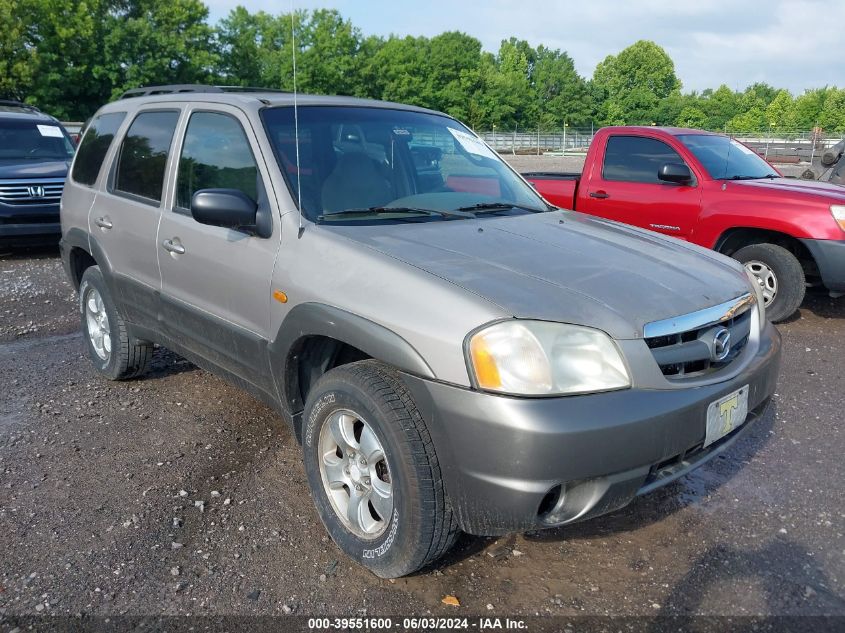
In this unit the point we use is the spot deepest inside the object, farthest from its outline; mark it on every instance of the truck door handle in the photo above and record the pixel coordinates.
(601, 195)
(103, 223)
(173, 246)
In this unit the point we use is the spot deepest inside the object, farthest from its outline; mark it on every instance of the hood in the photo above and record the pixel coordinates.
(832, 194)
(10, 170)
(563, 266)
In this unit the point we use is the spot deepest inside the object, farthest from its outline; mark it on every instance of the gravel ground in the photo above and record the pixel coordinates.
(178, 494)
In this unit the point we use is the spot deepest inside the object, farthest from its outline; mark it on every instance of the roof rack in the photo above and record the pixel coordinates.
(149, 91)
(10, 103)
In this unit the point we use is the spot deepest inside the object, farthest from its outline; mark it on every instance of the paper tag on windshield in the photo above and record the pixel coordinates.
(742, 148)
(472, 144)
(50, 130)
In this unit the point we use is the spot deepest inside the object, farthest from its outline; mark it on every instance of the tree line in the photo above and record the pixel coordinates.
(68, 57)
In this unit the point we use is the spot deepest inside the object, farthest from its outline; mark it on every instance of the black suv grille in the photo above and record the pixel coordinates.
(31, 191)
(690, 353)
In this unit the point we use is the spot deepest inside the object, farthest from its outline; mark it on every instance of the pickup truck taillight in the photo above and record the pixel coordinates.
(838, 211)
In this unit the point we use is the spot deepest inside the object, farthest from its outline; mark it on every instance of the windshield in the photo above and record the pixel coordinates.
(28, 140)
(378, 164)
(726, 159)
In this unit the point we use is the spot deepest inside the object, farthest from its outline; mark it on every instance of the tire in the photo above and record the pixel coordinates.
(113, 351)
(773, 264)
(419, 526)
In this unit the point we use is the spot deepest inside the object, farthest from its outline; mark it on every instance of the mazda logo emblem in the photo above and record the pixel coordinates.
(721, 344)
(35, 191)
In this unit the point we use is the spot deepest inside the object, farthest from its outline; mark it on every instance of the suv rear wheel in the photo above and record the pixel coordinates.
(780, 276)
(115, 353)
(373, 471)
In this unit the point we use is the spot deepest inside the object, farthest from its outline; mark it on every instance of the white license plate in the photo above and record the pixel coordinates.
(726, 414)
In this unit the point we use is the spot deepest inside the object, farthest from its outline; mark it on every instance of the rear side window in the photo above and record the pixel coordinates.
(92, 151)
(143, 154)
(215, 155)
(636, 159)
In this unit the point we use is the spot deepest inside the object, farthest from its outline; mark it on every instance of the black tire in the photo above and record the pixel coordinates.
(129, 357)
(422, 526)
(791, 282)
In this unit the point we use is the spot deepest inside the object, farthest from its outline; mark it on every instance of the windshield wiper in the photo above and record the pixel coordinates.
(492, 207)
(742, 177)
(394, 210)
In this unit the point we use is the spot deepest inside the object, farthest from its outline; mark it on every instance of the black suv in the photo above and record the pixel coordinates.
(35, 153)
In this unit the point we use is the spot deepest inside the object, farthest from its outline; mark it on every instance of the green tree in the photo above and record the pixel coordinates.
(832, 115)
(808, 107)
(752, 114)
(159, 42)
(691, 116)
(631, 84)
(562, 94)
(780, 113)
(17, 56)
(720, 106)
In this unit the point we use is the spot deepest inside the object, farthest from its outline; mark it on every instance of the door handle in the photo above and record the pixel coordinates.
(601, 195)
(103, 223)
(173, 247)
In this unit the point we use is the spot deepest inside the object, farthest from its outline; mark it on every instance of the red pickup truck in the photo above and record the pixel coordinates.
(715, 192)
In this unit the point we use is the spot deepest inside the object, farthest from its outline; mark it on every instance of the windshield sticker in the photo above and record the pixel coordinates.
(472, 144)
(742, 148)
(398, 131)
(50, 130)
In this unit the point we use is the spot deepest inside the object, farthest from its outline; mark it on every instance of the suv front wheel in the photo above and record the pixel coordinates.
(373, 471)
(114, 352)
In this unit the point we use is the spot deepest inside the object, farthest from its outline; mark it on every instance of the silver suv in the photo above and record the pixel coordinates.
(452, 352)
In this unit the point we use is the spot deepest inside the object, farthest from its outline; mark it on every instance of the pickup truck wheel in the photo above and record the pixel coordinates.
(115, 353)
(780, 276)
(373, 471)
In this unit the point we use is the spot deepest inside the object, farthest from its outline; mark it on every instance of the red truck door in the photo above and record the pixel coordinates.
(625, 187)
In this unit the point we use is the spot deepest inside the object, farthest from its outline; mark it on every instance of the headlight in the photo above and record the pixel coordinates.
(535, 358)
(758, 293)
(838, 212)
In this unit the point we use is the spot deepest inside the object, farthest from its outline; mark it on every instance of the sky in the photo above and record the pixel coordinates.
(793, 44)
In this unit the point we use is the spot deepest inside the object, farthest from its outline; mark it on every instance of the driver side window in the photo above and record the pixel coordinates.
(636, 159)
(215, 155)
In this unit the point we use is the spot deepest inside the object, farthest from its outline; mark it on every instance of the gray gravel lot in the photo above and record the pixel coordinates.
(178, 494)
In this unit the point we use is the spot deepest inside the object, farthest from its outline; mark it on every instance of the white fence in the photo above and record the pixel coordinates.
(803, 143)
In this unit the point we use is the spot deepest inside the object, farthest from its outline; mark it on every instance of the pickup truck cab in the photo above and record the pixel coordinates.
(452, 353)
(713, 191)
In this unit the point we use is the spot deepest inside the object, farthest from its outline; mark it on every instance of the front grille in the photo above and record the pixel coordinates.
(689, 352)
(31, 191)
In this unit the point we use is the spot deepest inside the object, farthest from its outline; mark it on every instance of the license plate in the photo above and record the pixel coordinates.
(726, 414)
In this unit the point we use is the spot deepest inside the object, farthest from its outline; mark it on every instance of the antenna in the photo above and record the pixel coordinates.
(296, 116)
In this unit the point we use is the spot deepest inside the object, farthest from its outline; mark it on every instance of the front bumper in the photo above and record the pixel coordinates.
(830, 258)
(28, 224)
(514, 464)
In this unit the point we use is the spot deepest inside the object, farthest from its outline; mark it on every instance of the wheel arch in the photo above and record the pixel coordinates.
(315, 337)
(733, 239)
(81, 251)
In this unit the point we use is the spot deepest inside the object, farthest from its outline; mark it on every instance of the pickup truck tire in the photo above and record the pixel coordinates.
(365, 439)
(114, 352)
(781, 274)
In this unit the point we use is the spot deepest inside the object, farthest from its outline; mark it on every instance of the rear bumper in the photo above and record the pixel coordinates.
(830, 258)
(513, 464)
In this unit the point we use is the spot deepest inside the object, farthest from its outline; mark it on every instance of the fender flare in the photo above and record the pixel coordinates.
(78, 238)
(318, 319)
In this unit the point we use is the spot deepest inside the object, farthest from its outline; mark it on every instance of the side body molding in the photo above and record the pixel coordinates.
(317, 319)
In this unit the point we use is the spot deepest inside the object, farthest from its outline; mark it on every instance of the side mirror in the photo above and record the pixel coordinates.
(675, 172)
(228, 208)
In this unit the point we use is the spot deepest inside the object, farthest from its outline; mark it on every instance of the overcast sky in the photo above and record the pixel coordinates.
(794, 44)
